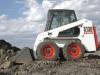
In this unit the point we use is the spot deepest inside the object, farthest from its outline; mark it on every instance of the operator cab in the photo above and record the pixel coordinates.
(59, 17)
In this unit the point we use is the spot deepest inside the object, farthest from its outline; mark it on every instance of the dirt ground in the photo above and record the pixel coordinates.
(89, 65)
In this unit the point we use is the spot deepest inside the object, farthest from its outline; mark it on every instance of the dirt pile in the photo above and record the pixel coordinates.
(89, 65)
(7, 51)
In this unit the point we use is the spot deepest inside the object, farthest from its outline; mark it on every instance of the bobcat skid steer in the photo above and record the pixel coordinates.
(64, 37)
(67, 35)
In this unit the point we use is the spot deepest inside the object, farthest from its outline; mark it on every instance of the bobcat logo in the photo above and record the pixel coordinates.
(88, 30)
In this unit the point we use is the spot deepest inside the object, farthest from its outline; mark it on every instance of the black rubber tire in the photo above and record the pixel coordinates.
(68, 56)
(39, 51)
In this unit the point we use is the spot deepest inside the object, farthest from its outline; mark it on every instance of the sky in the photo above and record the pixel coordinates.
(22, 20)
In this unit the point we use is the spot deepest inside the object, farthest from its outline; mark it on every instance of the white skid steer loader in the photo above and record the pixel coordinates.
(64, 36)
(67, 35)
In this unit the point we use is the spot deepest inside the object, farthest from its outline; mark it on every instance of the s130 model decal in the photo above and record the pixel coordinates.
(88, 30)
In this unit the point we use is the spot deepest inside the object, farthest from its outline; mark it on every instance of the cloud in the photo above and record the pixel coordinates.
(33, 21)
(25, 28)
(34, 12)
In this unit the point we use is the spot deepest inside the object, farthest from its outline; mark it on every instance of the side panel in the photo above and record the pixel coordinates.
(87, 36)
(89, 43)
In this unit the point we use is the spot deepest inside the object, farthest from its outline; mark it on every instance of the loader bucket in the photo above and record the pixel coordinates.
(23, 57)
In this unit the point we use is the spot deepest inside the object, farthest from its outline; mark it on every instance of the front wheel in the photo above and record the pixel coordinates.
(73, 51)
(47, 51)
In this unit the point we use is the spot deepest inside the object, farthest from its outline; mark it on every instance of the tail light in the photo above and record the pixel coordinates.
(96, 37)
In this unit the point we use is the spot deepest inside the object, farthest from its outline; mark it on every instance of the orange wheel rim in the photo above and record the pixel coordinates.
(74, 51)
(48, 51)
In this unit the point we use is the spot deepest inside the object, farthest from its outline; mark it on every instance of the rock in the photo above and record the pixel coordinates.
(49, 72)
(5, 65)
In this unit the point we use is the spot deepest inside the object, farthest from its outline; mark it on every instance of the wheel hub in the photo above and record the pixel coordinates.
(48, 51)
(74, 51)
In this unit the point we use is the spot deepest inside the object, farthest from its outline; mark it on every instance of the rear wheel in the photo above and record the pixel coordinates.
(73, 51)
(47, 51)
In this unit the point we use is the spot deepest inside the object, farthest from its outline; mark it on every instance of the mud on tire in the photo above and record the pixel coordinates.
(73, 51)
(47, 50)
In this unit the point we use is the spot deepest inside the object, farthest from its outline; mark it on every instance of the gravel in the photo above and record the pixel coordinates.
(89, 65)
